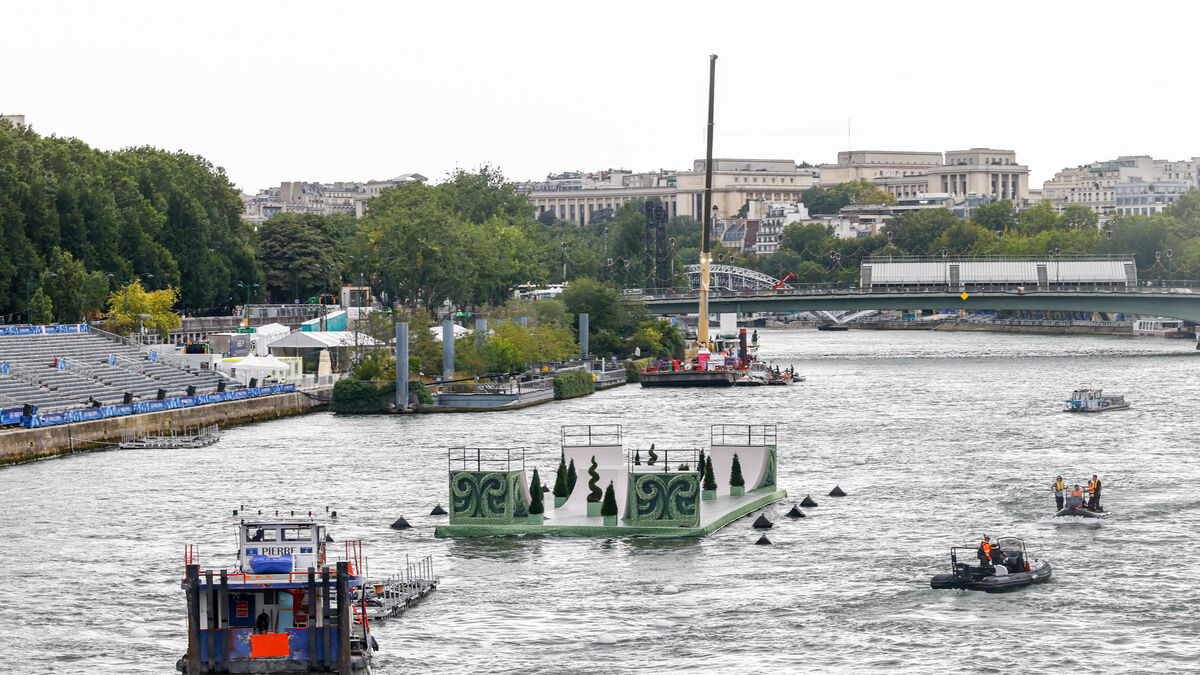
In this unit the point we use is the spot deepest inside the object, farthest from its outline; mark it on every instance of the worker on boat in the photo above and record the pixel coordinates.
(1060, 489)
(1094, 494)
(985, 551)
(1077, 491)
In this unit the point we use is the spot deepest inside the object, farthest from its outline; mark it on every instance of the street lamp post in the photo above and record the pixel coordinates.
(248, 286)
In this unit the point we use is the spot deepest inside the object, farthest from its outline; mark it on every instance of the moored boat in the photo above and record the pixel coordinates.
(283, 609)
(1077, 506)
(1092, 401)
(1010, 568)
(1164, 327)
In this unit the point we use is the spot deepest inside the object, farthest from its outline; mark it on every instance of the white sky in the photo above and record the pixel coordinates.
(277, 91)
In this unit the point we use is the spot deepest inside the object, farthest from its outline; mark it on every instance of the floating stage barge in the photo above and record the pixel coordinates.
(654, 493)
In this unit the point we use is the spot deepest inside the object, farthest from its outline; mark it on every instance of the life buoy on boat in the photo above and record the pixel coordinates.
(687, 366)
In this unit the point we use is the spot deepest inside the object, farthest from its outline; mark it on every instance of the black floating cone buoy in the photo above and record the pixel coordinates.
(401, 524)
(795, 512)
(438, 511)
(762, 523)
(763, 541)
(328, 538)
(836, 492)
(807, 502)
(545, 488)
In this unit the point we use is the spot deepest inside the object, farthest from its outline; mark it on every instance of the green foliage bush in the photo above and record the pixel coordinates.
(735, 473)
(710, 481)
(560, 479)
(360, 396)
(609, 507)
(536, 504)
(573, 384)
(572, 477)
(594, 493)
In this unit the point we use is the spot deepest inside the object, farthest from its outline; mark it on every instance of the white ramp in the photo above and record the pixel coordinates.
(753, 459)
(610, 464)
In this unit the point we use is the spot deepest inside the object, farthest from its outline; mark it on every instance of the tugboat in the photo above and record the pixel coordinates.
(1012, 568)
(1092, 401)
(284, 609)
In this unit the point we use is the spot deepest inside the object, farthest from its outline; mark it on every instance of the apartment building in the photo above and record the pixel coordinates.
(1096, 185)
(323, 199)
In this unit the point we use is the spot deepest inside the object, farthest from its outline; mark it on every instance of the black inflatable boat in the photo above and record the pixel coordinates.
(1009, 568)
(1075, 506)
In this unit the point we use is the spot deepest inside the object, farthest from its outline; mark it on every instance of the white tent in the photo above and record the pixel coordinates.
(459, 331)
(259, 367)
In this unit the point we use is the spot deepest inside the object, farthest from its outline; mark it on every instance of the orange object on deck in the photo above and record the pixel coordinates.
(269, 645)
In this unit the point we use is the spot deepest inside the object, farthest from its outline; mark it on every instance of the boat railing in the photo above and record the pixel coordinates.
(495, 459)
(666, 460)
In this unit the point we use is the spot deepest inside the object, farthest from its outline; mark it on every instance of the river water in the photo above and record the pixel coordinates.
(938, 438)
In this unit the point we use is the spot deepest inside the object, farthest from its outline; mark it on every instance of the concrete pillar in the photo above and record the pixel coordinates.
(401, 366)
(480, 331)
(583, 336)
(447, 350)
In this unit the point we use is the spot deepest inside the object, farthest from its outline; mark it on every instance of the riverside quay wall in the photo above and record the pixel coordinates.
(22, 445)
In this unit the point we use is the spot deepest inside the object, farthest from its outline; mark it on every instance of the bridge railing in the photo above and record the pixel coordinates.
(1179, 287)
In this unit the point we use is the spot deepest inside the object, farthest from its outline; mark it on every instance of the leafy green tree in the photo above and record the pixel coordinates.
(920, 231)
(297, 256)
(72, 289)
(1076, 216)
(547, 218)
(808, 240)
(860, 192)
(609, 507)
(1040, 217)
(40, 308)
(609, 320)
(818, 201)
(999, 215)
(536, 503)
(131, 308)
(594, 493)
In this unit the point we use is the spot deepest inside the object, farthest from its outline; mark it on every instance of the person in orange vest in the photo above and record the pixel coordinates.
(1094, 494)
(985, 551)
(1077, 491)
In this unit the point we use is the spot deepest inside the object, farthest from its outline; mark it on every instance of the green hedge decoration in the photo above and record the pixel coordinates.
(573, 384)
(710, 482)
(560, 479)
(572, 477)
(362, 396)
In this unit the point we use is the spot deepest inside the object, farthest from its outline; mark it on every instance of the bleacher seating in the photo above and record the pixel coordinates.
(87, 375)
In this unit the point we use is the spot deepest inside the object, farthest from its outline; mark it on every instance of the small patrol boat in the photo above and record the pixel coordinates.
(1077, 506)
(284, 609)
(1011, 568)
(1092, 401)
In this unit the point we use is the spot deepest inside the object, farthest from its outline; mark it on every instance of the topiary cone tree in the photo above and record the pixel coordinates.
(560, 480)
(536, 506)
(572, 477)
(737, 484)
(637, 457)
(609, 508)
(700, 463)
(594, 494)
(710, 482)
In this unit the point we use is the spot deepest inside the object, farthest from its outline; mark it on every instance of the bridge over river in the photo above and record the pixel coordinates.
(1176, 301)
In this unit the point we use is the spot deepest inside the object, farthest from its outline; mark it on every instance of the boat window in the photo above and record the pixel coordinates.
(297, 534)
(260, 534)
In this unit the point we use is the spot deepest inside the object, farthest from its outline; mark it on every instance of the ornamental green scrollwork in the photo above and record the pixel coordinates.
(517, 496)
(478, 496)
(666, 500)
(768, 480)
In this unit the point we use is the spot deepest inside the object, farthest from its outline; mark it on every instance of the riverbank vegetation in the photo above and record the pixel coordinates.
(80, 223)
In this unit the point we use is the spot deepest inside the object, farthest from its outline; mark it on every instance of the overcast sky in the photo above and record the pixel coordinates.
(358, 90)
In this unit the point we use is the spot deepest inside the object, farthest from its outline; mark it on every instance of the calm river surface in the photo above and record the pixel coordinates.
(960, 432)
